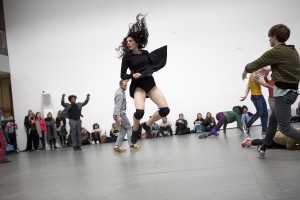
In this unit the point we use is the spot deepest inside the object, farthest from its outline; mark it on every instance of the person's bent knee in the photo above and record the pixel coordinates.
(138, 114)
(163, 112)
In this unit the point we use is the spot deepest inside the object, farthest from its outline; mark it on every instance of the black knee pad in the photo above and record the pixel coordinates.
(139, 114)
(163, 112)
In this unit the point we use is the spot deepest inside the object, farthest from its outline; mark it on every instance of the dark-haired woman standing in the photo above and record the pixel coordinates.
(142, 65)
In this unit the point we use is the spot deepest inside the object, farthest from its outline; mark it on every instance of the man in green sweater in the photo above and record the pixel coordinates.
(285, 66)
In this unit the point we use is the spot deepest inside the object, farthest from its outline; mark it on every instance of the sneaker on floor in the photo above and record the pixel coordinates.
(134, 137)
(135, 148)
(119, 149)
(247, 131)
(247, 142)
(261, 153)
(147, 129)
(202, 136)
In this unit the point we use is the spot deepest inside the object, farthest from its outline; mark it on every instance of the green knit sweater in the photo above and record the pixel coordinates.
(285, 64)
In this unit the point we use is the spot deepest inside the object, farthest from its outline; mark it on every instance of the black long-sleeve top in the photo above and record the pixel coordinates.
(143, 63)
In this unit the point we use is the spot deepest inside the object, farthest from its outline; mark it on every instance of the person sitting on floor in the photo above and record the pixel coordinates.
(165, 127)
(96, 134)
(181, 126)
(154, 129)
(210, 122)
(199, 124)
(85, 137)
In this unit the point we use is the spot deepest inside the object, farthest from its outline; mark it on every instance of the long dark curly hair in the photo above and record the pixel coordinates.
(138, 32)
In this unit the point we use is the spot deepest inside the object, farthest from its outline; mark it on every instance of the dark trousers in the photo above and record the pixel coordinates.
(261, 112)
(13, 140)
(96, 137)
(75, 129)
(167, 128)
(62, 139)
(221, 120)
(29, 141)
(37, 141)
(281, 118)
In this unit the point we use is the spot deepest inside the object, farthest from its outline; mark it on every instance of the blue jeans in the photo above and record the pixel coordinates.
(245, 119)
(199, 127)
(261, 112)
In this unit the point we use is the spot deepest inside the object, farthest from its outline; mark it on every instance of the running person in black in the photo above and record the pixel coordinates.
(142, 65)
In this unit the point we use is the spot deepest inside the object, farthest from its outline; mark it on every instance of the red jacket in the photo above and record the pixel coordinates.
(42, 124)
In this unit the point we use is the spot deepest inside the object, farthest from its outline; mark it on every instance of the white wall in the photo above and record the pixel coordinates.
(65, 46)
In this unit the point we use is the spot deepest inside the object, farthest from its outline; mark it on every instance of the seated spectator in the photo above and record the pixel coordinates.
(199, 124)
(85, 137)
(154, 129)
(279, 141)
(165, 127)
(96, 134)
(296, 118)
(11, 128)
(246, 116)
(114, 132)
(210, 122)
(181, 126)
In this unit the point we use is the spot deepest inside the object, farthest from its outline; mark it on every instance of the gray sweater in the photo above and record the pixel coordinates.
(120, 102)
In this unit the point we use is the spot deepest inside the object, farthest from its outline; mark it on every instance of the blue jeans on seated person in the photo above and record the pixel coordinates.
(199, 128)
(245, 119)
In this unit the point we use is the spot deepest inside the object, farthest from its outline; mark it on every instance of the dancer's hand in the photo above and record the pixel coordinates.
(88, 96)
(136, 75)
(244, 75)
(243, 98)
(63, 96)
(119, 120)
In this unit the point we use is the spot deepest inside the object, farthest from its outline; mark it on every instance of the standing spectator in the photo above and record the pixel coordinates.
(199, 124)
(51, 130)
(165, 127)
(27, 125)
(210, 122)
(41, 128)
(73, 112)
(61, 130)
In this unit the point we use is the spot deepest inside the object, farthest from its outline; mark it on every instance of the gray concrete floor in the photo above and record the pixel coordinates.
(178, 167)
